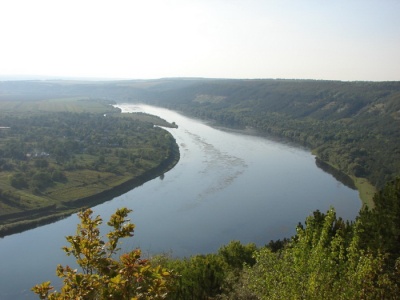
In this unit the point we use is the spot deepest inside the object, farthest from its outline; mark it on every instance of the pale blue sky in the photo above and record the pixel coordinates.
(340, 40)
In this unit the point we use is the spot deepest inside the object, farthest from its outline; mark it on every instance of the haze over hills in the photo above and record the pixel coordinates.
(6, 77)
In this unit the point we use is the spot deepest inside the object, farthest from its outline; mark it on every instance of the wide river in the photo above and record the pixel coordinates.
(226, 186)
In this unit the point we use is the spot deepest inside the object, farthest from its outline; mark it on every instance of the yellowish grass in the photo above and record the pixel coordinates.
(366, 191)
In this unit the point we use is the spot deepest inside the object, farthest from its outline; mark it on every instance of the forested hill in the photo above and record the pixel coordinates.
(323, 100)
(353, 126)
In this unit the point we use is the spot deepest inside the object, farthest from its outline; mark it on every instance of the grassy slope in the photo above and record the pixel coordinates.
(366, 191)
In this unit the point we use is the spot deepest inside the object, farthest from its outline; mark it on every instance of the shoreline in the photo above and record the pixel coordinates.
(365, 189)
(51, 214)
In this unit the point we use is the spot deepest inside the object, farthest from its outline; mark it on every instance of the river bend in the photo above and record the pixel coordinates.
(226, 186)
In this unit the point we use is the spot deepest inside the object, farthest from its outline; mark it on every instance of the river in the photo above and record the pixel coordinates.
(226, 186)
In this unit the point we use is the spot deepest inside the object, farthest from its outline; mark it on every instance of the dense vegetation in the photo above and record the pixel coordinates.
(327, 259)
(352, 126)
(53, 162)
(102, 276)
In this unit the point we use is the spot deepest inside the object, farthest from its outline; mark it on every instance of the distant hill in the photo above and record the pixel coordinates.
(353, 126)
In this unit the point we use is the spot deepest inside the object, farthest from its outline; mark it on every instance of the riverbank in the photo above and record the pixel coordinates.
(365, 189)
(32, 219)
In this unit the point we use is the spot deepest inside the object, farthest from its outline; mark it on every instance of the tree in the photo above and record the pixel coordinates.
(102, 276)
(200, 276)
(325, 260)
(18, 181)
(236, 255)
(380, 227)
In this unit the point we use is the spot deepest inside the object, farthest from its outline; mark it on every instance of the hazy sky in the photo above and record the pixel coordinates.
(338, 39)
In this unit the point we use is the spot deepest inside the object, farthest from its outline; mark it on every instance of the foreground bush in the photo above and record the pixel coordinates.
(325, 260)
(102, 276)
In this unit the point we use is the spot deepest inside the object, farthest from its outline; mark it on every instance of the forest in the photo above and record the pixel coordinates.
(350, 126)
(54, 163)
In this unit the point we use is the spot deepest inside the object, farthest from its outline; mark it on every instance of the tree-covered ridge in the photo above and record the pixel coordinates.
(49, 162)
(351, 125)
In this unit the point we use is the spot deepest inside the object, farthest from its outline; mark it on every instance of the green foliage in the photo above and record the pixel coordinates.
(324, 261)
(18, 181)
(60, 158)
(327, 259)
(102, 276)
(353, 126)
(277, 245)
(211, 275)
(199, 277)
(236, 255)
(379, 228)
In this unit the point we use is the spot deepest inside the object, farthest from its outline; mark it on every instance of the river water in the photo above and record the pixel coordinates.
(226, 186)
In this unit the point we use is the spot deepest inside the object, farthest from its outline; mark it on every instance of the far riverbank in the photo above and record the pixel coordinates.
(366, 190)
